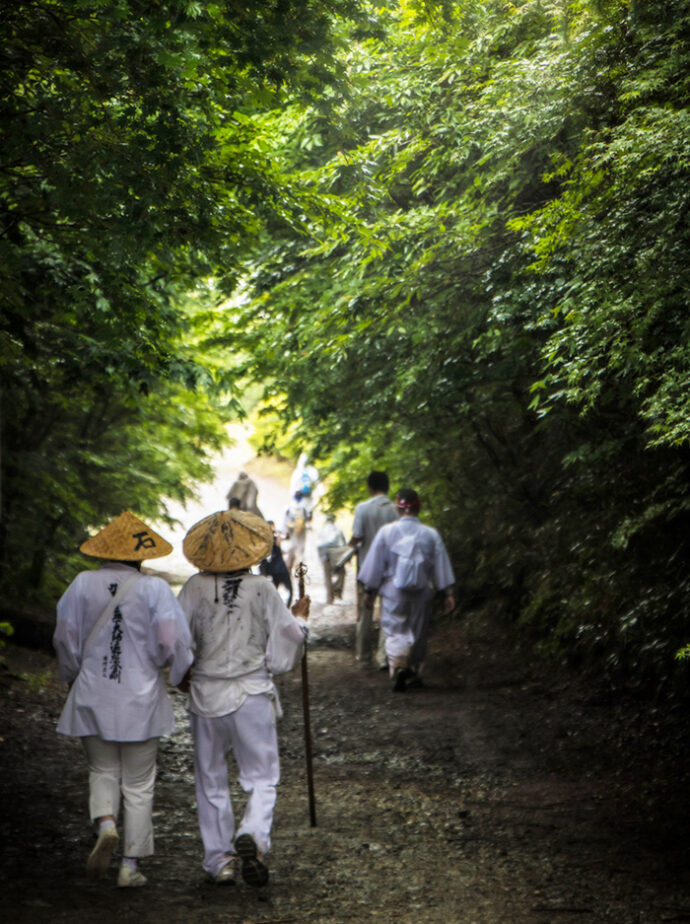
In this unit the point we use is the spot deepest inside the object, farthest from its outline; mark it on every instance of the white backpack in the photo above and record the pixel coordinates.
(410, 573)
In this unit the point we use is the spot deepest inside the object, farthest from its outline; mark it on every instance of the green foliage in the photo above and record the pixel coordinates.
(7, 630)
(132, 170)
(37, 681)
(456, 238)
(493, 303)
(268, 435)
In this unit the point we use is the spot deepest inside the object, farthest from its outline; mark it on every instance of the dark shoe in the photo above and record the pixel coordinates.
(400, 680)
(254, 872)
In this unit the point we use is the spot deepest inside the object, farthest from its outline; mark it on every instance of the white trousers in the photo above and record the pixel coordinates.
(250, 732)
(127, 767)
(406, 624)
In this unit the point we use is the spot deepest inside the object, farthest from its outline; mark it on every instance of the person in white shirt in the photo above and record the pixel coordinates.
(406, 564)
(116, 631)
(370, 516)
(244, 634)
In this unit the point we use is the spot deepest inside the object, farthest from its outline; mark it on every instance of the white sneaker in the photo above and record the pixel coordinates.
(228, 874)
(99, 858)
(128, 877)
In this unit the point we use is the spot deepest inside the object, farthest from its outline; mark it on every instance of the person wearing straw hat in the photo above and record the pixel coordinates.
(244, 634)
(116, 631)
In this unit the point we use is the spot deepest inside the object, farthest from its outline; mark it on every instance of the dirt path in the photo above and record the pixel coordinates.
(493, 795)
(272, 480)
(485, 797)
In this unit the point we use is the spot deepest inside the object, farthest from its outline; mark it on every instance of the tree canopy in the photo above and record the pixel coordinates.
(497, 313)
(133, 181)
(449, 239)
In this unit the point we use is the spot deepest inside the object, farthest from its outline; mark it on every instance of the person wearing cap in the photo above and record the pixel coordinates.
(406, 564)
(116, 630)
(244, 635)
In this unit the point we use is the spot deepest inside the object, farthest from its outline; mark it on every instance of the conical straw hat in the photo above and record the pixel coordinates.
(228, 541)
(126, 538)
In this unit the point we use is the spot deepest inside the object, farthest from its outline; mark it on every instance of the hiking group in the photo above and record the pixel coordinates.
(223, 639)
(405, 563)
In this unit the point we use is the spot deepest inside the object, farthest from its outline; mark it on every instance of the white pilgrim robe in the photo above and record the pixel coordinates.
(304, 476)
(244, 634)
(404, 613)
(379, 566)
(118, 688)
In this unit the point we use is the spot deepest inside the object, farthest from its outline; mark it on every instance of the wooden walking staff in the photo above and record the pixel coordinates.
(299, 574)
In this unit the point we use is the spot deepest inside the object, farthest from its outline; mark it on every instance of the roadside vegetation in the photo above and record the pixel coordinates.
(447, 239)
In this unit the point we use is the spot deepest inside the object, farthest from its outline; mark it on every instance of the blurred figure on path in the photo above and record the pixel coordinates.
(370, 516)
(304, 479)
(274, 566)
(116, 631)
(406, 564)
(246, 492)
(295, 531)
(244, 635)
(331, 545)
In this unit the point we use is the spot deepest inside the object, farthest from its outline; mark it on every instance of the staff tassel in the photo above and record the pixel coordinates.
(299, 574)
